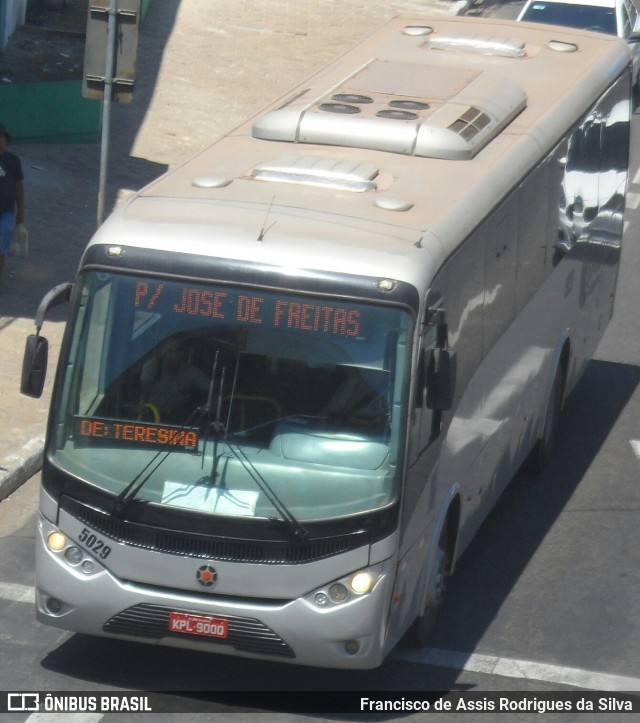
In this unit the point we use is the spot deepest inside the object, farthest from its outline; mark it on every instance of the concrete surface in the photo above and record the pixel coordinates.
(202, 68)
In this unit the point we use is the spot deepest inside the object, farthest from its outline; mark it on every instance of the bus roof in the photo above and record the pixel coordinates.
(386, 159)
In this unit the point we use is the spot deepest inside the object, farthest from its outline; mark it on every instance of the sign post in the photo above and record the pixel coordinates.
(109, 67)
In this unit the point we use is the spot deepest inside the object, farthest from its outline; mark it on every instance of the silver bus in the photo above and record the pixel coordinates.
(300, 369)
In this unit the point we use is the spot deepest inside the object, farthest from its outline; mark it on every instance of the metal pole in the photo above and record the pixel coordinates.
(106, 104)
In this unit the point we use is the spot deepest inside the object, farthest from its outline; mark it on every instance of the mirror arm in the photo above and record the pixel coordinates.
(58, 295)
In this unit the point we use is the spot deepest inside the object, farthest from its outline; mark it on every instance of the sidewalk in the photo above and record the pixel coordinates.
(198, 75)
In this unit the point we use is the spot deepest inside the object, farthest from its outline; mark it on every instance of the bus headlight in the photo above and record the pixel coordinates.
(56, 541)
(362, 582)
(74, 556)
(348, 588)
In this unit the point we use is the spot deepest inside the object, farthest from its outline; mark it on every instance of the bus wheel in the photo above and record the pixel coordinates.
(419, 634)
(541, 453)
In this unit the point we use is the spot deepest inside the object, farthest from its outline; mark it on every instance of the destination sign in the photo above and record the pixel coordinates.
(235, 306)
(136, 433)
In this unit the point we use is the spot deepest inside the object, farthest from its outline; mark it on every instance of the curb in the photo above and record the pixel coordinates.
(22, 466)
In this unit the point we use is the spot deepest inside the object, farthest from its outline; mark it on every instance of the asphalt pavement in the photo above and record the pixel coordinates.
(202, 68)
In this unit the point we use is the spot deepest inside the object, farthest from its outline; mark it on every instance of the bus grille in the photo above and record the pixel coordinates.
(246, 635)
(208, 546)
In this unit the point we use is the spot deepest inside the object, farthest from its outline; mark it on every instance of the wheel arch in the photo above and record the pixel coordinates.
(560, 359)
(450, 528)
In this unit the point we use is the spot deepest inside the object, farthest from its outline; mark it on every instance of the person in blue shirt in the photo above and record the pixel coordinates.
(11, 195)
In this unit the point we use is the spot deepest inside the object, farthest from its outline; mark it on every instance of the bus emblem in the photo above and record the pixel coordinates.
(206, 576)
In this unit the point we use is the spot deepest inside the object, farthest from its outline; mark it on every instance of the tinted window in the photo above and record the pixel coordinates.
(572, 16)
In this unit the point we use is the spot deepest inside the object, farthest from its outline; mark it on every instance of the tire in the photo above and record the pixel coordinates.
(543, 449)
(419, 634)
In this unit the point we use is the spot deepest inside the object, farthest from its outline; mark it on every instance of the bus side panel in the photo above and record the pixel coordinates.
(500, 414)
(537, 292)
(460, 284)
(597, 169)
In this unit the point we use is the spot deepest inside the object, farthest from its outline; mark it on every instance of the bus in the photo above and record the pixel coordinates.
(300, 368)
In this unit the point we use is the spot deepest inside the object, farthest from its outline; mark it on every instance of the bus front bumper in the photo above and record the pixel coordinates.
(298, 631)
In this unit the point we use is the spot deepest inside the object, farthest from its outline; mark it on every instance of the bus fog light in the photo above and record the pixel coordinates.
(321, 599)
(73, 555)
(88, 566)
(338, 592)
(56, 541)
(352, 647)
(362, 582)
(53, 605)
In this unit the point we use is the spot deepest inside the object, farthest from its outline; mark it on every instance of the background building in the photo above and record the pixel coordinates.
(12, 14)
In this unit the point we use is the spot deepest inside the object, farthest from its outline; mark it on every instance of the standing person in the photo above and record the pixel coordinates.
(11, 195)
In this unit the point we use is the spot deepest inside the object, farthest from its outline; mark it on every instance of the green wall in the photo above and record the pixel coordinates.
(53, 112)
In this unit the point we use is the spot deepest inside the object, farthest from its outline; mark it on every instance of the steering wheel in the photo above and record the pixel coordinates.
(149, 409)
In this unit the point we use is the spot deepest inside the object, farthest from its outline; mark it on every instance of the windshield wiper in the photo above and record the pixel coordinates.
(219, 428)
(129, 493)
(296, 527)
(290, 520)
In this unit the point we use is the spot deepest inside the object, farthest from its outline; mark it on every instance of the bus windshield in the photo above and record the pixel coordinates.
(218, 398)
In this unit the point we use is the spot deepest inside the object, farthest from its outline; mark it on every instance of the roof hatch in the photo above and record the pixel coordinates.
(481, 44)
(321, 172)
(421, 110)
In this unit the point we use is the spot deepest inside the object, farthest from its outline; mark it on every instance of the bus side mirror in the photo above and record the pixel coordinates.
(34, 366)
(36, 351)
(441, 378)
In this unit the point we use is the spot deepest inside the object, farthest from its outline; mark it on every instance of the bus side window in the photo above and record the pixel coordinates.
(423, 418)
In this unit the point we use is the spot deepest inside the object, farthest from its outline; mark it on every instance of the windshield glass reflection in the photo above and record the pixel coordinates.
(231, 401)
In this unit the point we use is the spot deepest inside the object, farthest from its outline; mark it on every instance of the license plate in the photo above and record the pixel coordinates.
(190, 624)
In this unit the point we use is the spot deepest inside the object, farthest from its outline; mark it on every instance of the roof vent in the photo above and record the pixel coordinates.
(334, 107)
(470, 123)
(211, 182)
(409, 105)
(319, 172)
(395, 114)
(352, 98)
(417, 30)
(434, 112)
(504, 47)
(560, 46)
